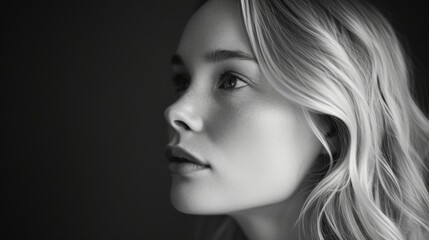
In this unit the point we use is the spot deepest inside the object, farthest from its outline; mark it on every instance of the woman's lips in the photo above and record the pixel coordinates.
(184, 168)
(174, 153)
(182, 162)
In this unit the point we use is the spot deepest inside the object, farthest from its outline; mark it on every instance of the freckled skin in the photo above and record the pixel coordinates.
(258, 146)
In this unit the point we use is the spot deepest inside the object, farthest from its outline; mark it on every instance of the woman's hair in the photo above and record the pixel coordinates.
(343, 64)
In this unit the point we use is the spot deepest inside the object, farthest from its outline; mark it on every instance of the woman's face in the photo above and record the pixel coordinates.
(227, 114)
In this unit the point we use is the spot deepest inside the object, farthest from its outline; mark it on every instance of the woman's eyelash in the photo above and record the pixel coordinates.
(226, 77)
(227, 81)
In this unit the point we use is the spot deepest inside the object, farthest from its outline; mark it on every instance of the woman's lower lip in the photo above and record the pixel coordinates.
(184, 168)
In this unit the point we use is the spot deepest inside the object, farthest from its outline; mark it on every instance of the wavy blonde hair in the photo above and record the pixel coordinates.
(343, 64)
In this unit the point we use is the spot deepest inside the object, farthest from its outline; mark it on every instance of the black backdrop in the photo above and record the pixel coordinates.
(83, 90)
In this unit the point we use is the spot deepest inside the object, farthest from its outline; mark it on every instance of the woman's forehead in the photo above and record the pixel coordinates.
(216, 25)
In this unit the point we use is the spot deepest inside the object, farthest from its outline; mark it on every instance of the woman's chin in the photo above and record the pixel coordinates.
(192, 203)
(187, 205)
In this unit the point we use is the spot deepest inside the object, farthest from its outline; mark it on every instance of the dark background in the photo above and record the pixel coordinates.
(83, 90)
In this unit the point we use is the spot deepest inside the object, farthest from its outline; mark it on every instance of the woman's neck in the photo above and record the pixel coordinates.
(272, 222)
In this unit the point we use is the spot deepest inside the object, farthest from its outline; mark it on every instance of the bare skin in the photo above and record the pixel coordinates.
(257, 144)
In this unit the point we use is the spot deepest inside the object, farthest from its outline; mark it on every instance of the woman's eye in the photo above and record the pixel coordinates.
(231, 81)
(180, 82)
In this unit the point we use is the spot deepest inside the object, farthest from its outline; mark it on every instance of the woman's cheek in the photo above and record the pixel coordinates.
(262, 156)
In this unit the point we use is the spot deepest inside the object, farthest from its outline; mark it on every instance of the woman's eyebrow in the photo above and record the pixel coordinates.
(223, 55)
(217, 56)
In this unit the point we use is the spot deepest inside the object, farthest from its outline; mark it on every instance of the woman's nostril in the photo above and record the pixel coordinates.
(181, 124)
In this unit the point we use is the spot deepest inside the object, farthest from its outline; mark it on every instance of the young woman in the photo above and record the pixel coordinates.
(296, 111)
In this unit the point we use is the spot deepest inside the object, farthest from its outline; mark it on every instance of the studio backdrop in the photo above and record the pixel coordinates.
(84, 88)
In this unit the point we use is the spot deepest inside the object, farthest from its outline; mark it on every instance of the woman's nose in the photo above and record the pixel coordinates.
(183, 115)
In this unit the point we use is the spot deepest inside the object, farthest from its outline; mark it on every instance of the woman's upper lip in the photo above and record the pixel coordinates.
(172, 151)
